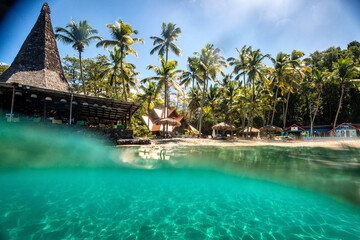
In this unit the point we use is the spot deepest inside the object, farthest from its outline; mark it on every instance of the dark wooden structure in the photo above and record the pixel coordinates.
(17, 100)
(34, 88)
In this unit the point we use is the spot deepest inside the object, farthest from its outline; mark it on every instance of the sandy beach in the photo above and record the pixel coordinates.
(334, 144)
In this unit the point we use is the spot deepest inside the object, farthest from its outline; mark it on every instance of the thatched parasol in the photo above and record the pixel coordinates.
(223, 126)
(253, 130)
(168, 121)
(270, 128)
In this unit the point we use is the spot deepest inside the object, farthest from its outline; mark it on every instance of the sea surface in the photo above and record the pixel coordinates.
(70, 187)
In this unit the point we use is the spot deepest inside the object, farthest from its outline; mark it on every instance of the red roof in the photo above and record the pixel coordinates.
(345, 124)
(155, 128)
(295, 126)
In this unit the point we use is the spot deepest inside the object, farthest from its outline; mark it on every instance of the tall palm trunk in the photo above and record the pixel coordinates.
(249, 126)
(316, 110)
(275, 102)
(115, 86)
(340, 102)
(81, 74)
(287, 104)
(215, 122)
(166, 93)
(244, 118)
(122, 72)
(149, 101)
(269, 114)
(190, 115)
(231, 116)
(202, 105)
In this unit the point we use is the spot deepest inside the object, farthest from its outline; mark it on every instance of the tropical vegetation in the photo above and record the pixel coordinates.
(249, 89)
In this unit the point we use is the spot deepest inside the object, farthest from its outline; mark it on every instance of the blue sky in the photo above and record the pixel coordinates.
(271, 25)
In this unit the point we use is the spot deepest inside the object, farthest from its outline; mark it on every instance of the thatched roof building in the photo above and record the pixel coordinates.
(35, 86)
(38, 62)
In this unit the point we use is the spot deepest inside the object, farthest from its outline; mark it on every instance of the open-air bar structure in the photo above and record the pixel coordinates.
(34, 88)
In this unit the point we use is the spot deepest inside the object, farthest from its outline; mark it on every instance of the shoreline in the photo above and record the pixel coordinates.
(171, 142)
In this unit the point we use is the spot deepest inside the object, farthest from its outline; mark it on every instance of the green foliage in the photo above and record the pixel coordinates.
(140, 130)
(121, 34)
(294, 89)
(3, 68)
(169, 34)
(79, 35)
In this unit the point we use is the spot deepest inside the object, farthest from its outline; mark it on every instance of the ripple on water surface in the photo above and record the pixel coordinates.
(164, 204)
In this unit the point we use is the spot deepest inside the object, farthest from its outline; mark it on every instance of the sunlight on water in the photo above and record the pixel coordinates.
(62, 186)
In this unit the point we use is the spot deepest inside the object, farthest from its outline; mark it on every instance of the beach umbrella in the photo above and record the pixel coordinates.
(253, 130)
(168, 121)
(270, 128)
(223, 126)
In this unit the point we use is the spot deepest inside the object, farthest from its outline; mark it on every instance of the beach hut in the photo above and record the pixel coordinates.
(270, 131)
(250, 133)
(223, 126)
(296, 132)
(345, 130)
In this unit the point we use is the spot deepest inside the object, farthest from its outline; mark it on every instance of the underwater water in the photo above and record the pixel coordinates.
(74, 188)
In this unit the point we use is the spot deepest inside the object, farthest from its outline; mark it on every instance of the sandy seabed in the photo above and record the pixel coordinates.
(335, 144)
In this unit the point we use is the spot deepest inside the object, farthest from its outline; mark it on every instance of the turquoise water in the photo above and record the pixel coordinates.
(70, 188)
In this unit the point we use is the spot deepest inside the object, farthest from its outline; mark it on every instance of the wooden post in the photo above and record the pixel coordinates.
(71, 103)
(12, 104)
(130, 116)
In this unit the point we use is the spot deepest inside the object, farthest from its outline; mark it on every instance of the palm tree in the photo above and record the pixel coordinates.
(79, 35)
(169, 34)
(230, 91)
(194, 100)
(318, 78)
(295, 76)
(240, 67)
(164, 44)
(122, 38)
(113, 68)
(212, 98)
(191, 75)
(255, 72)
(166, 74)
(281, 67)
(209, 64)
(149, 96)
(344, 71)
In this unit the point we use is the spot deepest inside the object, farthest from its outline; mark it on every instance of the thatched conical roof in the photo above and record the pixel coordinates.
(169, 121)
(38, 62)
(253, 130)
(223, 126)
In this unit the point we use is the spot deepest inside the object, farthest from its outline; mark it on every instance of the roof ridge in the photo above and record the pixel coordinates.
(38, 52)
